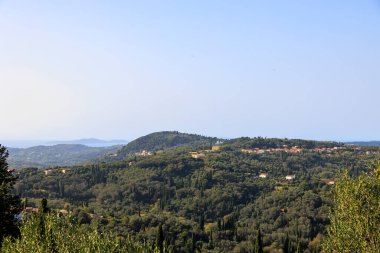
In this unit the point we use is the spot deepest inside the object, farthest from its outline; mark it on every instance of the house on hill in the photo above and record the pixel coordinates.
(49, 172)
(196, 155)
(290, 177)
(144, 153)
(215, 148)
(263, 175)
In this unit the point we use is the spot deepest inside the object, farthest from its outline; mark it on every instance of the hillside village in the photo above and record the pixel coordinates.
(293, 150)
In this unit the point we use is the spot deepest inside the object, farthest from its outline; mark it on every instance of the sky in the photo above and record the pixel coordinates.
(122, 69)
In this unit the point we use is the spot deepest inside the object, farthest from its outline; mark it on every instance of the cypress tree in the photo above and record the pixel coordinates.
(43, 206)
(10, 205)
(25, 203)
(43, 209)
(193, 242)
(160, 239)
(286, 248)
(202, 222)
(259, 243)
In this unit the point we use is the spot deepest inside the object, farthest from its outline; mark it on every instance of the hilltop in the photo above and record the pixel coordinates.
(166, 140)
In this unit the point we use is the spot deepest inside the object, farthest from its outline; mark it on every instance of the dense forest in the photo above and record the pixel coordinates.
(209, 196)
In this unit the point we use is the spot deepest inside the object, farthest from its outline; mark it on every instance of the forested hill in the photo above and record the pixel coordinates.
(57, 155)
(207, 200)
(267, 143)
(166, 140)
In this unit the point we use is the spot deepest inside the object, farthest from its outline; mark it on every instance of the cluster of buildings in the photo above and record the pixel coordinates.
(34, 210)
(202, 153)
(327, 150)
(272, 150)
(293, 177)
(144, 153)
(50, 172)
(293, 150)
(287, 177)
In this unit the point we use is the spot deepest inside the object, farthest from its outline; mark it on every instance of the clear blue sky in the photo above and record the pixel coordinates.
(122, 69)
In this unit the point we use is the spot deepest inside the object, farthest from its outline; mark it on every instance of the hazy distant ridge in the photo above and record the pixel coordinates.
(365, 143)
(56, 155)
(92, 142)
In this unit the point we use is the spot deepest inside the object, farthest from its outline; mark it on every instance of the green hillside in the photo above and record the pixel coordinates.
(166, 140)
(217, 202)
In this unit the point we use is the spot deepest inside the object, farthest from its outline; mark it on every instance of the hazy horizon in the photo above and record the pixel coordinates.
(26, 143)
(123, 69)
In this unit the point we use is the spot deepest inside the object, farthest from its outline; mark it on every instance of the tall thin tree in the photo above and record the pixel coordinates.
(10, 205)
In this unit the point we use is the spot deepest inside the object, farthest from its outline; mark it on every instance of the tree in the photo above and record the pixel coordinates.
(160, 239)
(286, 248)
(259, 243)
(355, 217)
(43, 206)
(10, 205)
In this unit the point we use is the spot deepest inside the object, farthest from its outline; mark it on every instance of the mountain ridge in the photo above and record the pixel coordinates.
(56, 155)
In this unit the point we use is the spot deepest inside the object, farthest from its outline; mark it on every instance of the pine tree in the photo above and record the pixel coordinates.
(10, 205)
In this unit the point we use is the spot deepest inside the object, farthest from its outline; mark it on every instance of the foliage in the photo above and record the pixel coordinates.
(214, 203)
(64, 235)
(355, 218)
(166, 140)
(9, 204)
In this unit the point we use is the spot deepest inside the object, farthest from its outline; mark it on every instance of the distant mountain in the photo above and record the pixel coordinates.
(365, 143)
(22, 143)
(57, 155)
(166, 140)
(91, 142)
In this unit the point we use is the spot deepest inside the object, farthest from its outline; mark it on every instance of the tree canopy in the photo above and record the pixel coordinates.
(355, 217)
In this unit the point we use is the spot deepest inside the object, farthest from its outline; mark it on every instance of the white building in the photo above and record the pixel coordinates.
(263, 175)
(49, 172)
(290, 177)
